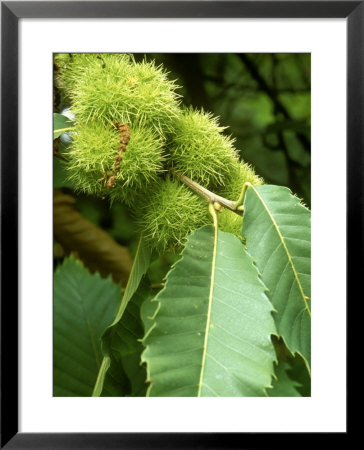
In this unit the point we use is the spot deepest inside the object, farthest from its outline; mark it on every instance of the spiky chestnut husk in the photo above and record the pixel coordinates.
(233, 185)
(199, 150)
(170, 212)
(93, 155)
(61, 62)
(70, 66)
(230, 222)
(109, 87)
(240, 173)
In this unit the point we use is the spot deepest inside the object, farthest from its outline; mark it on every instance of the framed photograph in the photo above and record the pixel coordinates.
(164, 250)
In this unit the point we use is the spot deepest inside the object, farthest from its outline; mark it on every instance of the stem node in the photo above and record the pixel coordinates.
(217, 201)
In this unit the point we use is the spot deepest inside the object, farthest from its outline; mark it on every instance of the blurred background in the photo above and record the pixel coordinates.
(264, 100)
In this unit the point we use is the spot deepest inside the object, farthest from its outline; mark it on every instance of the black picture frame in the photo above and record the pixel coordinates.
(11, 12)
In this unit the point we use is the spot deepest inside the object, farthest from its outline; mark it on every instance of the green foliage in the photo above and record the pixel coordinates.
(126, 348)
(83, 306)
(220, 310)
(277, 231)
(292, 377)
(140, 267)
(60, 174)
(118, 329)
(283, 385)
(210, 338)
(60, 124)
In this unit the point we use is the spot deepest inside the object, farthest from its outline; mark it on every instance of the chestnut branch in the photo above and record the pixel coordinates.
(237, 206)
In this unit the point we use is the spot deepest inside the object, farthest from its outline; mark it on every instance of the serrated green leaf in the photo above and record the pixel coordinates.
(83, 306)
(147, 311)
(140, 267)
(126, 346)
(277, 231)
(283, 385)
(299, 373)
(61, 124)
(212, 330)
(115, 382)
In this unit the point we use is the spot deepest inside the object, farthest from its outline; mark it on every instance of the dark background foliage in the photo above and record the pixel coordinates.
(263, 99)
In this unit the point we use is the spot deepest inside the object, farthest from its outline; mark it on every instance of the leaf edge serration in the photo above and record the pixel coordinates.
(146, 357)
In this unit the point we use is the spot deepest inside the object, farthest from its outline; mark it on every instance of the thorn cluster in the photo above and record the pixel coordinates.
(240, 173)
(200, 150)
(130, 129)
(169, 213)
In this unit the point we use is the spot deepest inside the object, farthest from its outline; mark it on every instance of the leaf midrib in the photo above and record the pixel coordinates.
(213, 271)
(89, 328)
(285, 248)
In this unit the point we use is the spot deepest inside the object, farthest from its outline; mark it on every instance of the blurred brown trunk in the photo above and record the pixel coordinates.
(93, 246)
